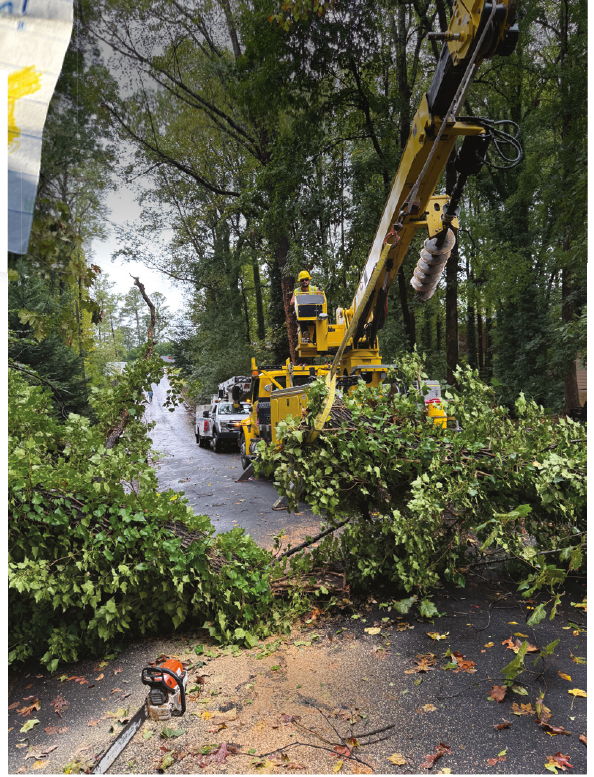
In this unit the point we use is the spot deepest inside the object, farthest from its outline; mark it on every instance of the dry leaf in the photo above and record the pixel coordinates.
(516, 644)
(559, 760)
(564, 676)
(424, 663)
(493, 761)
(584, 739)
(118, 670)
(577, 659)
(441, 749)
(497, 692)
(397, 759)
(290, 718)
(101, 676)
(489, 644)
(429, 708)
(337, 766)
(55, 730)
(93, 722)
(577, 692)
(40, 764)
(373, 630)
(523, 709)
(59, 704)
(435, 635)
(14, 705)
(553, 730)
(502, 725)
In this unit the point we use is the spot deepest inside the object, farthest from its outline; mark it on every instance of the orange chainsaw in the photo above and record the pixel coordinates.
(166, 699)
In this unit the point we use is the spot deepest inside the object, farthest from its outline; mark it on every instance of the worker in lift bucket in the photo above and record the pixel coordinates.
(304, 288)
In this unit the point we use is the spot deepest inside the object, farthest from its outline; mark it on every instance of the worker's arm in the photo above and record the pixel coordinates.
(292, 302)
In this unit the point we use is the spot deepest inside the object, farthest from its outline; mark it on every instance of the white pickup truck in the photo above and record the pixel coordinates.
(220, 424)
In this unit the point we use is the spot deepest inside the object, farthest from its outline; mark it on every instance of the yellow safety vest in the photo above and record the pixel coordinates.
(311, 290)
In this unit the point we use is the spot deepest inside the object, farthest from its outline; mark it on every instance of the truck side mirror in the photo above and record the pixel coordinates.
(236, 393)
(206, 414)
(221, 393)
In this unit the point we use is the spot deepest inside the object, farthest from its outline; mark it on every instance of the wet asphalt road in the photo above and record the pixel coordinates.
(208, 479)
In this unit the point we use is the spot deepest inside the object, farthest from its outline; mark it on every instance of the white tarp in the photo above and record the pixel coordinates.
(34, 36)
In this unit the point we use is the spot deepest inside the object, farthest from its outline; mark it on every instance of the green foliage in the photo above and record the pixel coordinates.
(418, 495)
(92, 554)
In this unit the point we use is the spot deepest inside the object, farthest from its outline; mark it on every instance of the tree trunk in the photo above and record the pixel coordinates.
(287, 286)
(259, 302)
(488, 345)
(451, 316)
(572, 394)
(407, 314)
(479, 332)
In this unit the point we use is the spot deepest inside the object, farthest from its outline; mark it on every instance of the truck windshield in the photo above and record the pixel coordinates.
(228, 409)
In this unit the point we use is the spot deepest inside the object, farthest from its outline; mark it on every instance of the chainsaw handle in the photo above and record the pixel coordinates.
(149, 677)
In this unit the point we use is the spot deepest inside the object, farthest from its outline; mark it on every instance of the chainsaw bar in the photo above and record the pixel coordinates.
(120, 742)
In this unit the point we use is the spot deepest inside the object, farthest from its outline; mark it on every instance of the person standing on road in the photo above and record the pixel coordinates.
(149, 395)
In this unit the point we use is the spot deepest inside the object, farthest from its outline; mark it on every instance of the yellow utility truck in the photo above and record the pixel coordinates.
(478, 30)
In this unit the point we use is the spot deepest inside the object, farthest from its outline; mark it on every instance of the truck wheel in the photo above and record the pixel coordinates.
(216, 443)
(245, 462)
(203, 442)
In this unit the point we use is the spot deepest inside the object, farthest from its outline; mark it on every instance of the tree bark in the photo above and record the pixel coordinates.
(451, 316)
(407, 314)
(572, 394)
(259, 302)
(287, 286)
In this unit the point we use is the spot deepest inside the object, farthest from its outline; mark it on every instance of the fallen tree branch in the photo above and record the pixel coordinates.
(314, 539)
(116, 431)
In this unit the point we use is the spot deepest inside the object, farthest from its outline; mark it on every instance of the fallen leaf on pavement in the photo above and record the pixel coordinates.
(523, 709)
(493, 761)
(397, 759)
(497, 692)
(14, 705)
(119, 690)
(56, 730)
(337, 766)
(516, 644)
(29, 710)
(373, 630)
(59, 704)
(564, 676)
(29, 725)
(440, 750)
(502, 725)
(40, 764)
(340, 750)
(118, 670)
(93, 722)
(435, 635)
(167, 761)
(577, 659)
(429, 708)
(290, 718)
(489, 644)
(558, 761)
(584, 739)
(424, 664)
(577, 692)
(101, 676)
(40, 753)
(553, 729)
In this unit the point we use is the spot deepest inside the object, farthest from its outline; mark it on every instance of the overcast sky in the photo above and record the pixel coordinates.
(124, 209)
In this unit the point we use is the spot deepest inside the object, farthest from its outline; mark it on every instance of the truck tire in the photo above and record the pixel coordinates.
(203, 442)
(245, 461)
(216, 443)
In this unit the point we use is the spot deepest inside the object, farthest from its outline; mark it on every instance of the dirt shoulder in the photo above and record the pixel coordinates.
(287, 704)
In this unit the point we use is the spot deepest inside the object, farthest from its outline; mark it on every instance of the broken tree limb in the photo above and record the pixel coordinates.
(116, 431)
(314, 539)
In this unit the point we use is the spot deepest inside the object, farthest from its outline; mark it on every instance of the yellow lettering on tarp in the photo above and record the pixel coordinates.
(20, 83)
